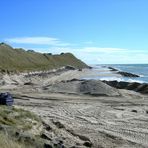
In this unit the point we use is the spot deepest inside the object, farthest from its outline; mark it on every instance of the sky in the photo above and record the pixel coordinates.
(95, 31)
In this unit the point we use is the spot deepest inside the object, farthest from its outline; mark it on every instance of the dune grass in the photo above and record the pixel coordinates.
(17, 118)
(12, 120)
(7, 142)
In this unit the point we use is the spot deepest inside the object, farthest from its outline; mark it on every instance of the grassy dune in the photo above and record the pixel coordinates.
(15, 120)
(20, 60)
(7, 142)
(18, 118)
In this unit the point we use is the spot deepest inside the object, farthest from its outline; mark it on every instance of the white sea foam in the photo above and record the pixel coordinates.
(121, 79)
(112, 79)
(138, 81)
(142, 76)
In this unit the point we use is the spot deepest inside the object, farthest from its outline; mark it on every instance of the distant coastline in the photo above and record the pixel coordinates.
(138, 69)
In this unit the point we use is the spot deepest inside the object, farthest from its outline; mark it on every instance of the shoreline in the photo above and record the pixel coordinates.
(135, 85)
(114, 74)
(68, 73)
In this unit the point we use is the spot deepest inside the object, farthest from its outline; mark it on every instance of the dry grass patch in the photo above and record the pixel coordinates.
(6, 142)
(18, 118)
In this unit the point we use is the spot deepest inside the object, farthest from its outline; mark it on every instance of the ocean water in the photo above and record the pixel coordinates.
(139, 69)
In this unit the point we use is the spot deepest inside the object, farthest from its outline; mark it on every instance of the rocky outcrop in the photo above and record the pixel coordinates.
(69, 67)
(138, 87)
(125, 74)
(112, 69)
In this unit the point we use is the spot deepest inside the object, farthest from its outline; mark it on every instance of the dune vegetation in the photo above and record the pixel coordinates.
(7, 142)
(12, 59)
(19, 128)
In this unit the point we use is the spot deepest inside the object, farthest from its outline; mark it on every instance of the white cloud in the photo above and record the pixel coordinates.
(84, 52)
(37, 40)
(94, 55)
(90, 50)
(102, 50)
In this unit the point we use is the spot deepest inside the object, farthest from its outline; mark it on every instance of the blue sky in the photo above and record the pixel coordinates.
(96, 31)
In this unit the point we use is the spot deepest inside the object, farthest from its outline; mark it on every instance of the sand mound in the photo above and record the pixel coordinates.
(91, 87)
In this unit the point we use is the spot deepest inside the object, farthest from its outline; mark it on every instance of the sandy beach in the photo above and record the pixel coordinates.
(106, 119)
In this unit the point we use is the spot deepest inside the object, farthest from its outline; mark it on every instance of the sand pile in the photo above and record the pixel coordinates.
(90, 87)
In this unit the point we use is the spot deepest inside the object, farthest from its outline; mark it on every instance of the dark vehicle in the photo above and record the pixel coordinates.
(6, 99)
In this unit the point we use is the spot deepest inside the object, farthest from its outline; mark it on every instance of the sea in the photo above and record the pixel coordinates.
(139, 69)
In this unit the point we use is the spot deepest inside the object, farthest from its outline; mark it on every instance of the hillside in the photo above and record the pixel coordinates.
(12, 59)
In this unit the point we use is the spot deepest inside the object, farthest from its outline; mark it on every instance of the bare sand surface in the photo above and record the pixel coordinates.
(81, 120)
